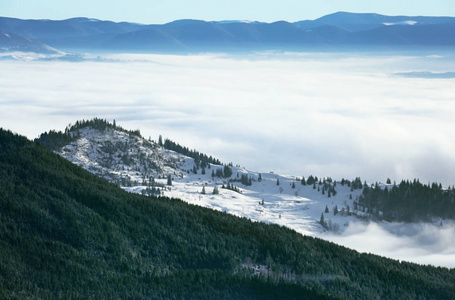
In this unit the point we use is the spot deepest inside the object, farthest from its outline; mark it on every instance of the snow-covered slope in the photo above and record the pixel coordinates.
(140, 166)
(120, 157)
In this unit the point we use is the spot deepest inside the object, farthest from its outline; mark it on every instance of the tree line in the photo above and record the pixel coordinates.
(408, 201)
(201, 160)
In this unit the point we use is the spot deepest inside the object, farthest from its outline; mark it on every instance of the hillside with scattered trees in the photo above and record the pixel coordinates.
(66, 233)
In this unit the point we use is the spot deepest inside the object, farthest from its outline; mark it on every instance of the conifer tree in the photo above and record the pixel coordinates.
(227, 171)
(215, 190)
(322, 220)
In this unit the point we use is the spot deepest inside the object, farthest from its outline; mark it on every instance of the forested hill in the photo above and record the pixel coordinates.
(65, 233)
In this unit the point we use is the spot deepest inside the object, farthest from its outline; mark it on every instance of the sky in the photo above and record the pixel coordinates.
(159, 12)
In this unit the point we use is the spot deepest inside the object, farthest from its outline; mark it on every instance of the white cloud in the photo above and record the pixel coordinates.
(328, 115)
(420, 243)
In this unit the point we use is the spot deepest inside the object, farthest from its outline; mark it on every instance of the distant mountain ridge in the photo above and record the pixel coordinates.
(340, 29)
(12, 42)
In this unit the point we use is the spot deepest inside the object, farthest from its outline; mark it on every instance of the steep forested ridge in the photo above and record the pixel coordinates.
(65, 233)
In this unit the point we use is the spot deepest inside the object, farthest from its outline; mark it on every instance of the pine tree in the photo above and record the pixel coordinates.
(326, 209)
(227, 171)
(278, 181)
(260, 177)
(203, 190)
(160, 140)
(293, 185)
(169, 180)
(215, 190)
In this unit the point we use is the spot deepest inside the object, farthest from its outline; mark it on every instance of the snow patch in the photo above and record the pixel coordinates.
(401, 23)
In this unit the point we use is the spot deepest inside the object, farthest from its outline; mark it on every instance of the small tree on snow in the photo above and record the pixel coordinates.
(322, 221)
(215, 190)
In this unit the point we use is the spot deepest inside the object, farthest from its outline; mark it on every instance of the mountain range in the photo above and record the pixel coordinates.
(336, 31)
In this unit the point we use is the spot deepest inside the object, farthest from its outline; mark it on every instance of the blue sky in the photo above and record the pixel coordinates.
(157, 12)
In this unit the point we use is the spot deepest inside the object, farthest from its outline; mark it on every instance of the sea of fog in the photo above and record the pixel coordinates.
(337, 115)
(294, 113)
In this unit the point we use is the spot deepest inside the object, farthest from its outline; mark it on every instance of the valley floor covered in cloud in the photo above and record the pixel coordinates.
(421, 243)
(336, 115)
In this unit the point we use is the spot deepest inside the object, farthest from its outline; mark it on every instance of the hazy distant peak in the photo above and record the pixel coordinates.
(184, 22)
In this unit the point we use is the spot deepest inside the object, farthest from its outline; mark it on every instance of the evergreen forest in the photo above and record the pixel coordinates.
(67, 234)
(409, 201)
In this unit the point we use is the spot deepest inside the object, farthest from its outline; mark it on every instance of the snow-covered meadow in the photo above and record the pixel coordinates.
(337, 115)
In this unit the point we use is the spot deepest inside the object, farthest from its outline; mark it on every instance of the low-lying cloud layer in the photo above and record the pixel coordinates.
(327, 115)
(420, 243)
(301, 114)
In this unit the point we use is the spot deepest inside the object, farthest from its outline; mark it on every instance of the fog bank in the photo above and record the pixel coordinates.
(419, 243)
(302, 114)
